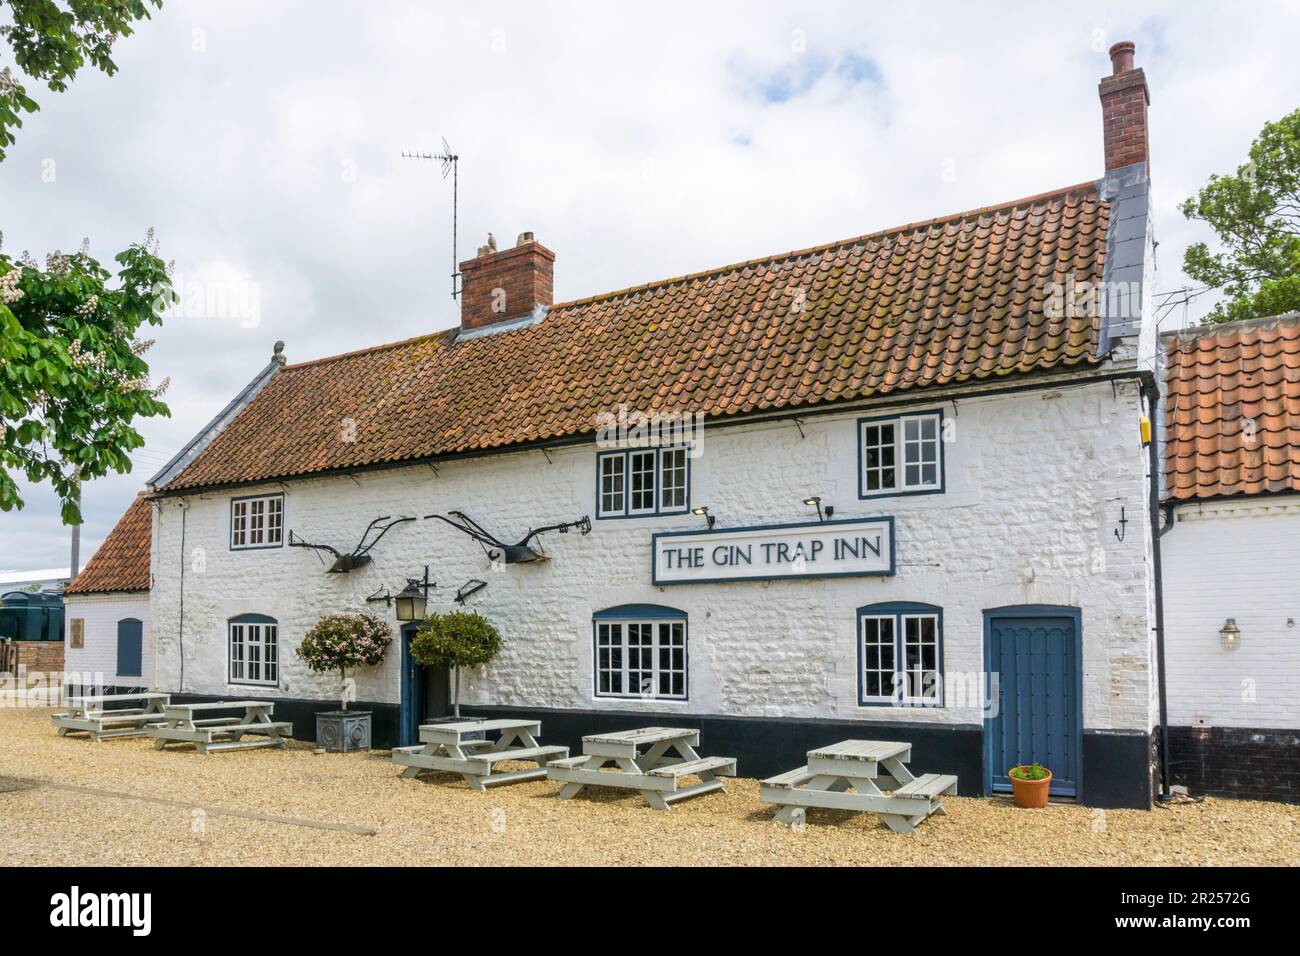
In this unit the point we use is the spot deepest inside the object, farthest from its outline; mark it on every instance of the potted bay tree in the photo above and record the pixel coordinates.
(456, 639)
(338, 642)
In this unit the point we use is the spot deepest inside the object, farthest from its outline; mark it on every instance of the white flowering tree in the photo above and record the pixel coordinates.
(51, 40)
(339, 641)
(72, 377)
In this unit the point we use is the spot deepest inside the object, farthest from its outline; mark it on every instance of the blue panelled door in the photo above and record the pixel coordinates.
(413, 692)
(130, 647)
(1033, 657)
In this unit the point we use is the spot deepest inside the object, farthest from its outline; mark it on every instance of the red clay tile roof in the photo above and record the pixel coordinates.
(1233, 410)
(951, 300)
(122, 561)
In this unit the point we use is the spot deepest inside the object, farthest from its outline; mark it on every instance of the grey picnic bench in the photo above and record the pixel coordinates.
(88, 715)
(461, 747)
(877, 773)
(210, 734)
(656, 774)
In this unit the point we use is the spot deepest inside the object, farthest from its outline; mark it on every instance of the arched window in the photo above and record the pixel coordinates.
(900, 655)
(640, 652)
(130, 647)
(254, 650)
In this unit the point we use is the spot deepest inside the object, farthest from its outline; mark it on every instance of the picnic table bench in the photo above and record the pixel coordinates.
(870, 768)
(88, 715)
(457, 747)
(209, 734)
(657, 773)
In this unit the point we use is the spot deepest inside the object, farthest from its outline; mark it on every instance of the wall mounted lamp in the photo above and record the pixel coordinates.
(413, 600)
(703, 512)
(1230, 635)
(823, 514)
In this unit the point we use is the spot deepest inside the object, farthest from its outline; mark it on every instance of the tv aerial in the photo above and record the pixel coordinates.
(449, 161)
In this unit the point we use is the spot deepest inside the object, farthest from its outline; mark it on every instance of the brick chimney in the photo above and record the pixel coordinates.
(501, 287)
(1124, 102)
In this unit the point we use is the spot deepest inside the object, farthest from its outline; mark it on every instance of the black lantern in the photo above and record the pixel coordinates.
(413, 600)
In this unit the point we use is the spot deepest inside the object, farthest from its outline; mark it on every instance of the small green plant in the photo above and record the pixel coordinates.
(1035, 771)
(339, 641)
(457, 639)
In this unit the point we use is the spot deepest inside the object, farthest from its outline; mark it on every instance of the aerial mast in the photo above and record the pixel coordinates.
(450, 163)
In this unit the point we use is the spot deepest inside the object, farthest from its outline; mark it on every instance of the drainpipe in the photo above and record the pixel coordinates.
(1152, 392)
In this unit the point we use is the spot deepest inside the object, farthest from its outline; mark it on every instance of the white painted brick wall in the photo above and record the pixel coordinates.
(1240, 561)
(98, 657)
(1035, 484)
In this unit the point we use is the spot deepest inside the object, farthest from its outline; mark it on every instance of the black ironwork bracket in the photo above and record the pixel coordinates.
(472, 586)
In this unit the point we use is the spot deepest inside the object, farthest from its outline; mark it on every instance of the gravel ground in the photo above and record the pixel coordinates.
(438, 820)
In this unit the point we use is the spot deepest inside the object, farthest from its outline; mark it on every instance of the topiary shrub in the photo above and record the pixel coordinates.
(339, 641)
(456, 639)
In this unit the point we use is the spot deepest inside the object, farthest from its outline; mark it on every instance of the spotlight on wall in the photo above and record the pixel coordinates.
(823, 513)
(703, 512)
(1230, 635)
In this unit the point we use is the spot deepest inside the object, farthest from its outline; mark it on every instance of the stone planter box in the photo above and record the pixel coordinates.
(343, 731)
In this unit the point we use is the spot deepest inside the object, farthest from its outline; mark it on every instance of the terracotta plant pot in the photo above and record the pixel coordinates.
(1030, 794)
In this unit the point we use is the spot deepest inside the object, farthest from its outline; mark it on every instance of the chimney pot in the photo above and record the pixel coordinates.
(524, 237)
(1121, 57)
(1124, 101)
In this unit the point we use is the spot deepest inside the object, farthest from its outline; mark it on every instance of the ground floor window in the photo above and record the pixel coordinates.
(640, 651)
(900, 654)
(254, 650)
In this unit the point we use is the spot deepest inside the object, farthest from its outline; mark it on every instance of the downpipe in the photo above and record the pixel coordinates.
(1151, 391)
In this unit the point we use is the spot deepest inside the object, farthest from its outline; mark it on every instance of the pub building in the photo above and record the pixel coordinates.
(906, 497)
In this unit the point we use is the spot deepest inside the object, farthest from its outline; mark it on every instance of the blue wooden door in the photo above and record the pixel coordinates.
(413, 692)
(1033, 658)
(130, 647)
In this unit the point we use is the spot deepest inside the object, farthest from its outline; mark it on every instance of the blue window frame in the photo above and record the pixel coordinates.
(253, 650)
(256, 521)
(900, 655)
(901, 455)
(639, 651)
(636, 482)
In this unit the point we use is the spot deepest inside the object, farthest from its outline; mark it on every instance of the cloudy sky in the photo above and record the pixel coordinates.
(262, 139)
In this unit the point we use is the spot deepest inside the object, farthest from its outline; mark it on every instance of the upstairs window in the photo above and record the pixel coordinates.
(642, 481)
(254, 650)
(900, 455)
(257, 522)
(640, 652)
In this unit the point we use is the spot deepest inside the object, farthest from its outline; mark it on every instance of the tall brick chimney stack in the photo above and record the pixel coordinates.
(502, 287)
(1124, 102)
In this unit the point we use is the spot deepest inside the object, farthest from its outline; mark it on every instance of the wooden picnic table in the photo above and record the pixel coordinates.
(461, 747)
(870, 768)
(209, 734)
(89, 715)
(656, 774)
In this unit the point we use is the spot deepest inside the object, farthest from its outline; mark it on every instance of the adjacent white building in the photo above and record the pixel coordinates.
(1232, 557)
(107, 640)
